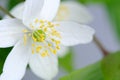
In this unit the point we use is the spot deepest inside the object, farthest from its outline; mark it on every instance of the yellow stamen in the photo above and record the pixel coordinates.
(58, 47)
(25, 39)
(44, 54)
(38, 49)
(36, 21)
(33, 51)
(25, 30)
(49, 44)
(54, 51)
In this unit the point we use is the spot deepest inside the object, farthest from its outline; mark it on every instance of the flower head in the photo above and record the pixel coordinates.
(68, 10)
(36, 38)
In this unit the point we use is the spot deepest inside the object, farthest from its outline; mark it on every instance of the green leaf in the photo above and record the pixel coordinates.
(111, 67)
(113, 8)
(13, 3)
(91, 1)
(0, 17)
(3, 54)
(107, 69)
(92, 72)
(66, 62)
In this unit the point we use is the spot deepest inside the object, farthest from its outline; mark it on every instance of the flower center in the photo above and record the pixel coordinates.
(45, 37)
(38, 35)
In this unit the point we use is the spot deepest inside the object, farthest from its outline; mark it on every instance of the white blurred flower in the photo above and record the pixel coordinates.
(68, 11)
(37, 38)
(73, 11)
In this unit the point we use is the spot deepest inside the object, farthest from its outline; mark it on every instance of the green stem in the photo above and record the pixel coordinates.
(98, 43)
(6, 12)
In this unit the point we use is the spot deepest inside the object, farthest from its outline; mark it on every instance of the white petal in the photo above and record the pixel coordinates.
(17, 11)
(10, 32)
(63, 51)
(44, 67)
(49, 9)
(73, 33)
(32, 10)
(16, 62)
(74, 11)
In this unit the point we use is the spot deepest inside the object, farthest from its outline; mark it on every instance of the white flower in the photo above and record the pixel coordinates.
(37, 38)
(73, 11)
(68, 10)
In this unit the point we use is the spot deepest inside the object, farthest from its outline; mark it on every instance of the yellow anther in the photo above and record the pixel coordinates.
(41, 39)
(51, 49)
(58, 47)
(38, 49)
(54, 51)
(44, 54)
(41, 26)
(45, 29)
(51, 26)
(49, 44)
(57, 42)
(36, 20)
(53, 40)
(49, 23)
(55, 33)
(41, 21)
(33, 51)
(33, 45)
(25, 30)
(25, 39)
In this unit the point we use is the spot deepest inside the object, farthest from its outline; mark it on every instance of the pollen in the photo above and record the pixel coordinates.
(58, 47)
(44, 54)
(54, 51)
(38, 49)
(49, 44)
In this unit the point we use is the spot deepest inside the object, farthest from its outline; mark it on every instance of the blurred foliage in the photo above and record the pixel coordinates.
(91, 1)
(66, 62)
(0, 17)
(13, 3)
(111, 67)
(3, 54)
(92, 72)
(106, 69)
(112, 6)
